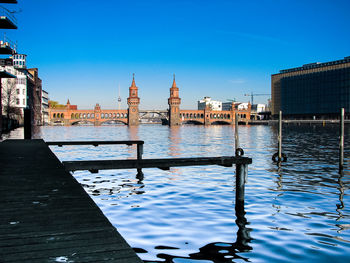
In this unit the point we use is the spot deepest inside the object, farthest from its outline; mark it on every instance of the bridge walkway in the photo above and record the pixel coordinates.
(46, 216)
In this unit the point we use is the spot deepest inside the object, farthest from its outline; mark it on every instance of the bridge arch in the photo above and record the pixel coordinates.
(111, 122)
(220, 122)
(195, 122)
(82, 122)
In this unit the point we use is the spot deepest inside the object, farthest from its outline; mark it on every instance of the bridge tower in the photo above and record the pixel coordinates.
(133, 102)
(174, 105)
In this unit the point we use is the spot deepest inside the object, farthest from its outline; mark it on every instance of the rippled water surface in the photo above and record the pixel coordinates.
(296, 213)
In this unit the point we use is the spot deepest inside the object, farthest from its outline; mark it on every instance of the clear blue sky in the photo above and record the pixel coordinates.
(222, 48)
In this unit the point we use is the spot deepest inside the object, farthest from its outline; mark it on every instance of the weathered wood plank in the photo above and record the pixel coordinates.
(226, 161)
(94, 143)
(45, 213)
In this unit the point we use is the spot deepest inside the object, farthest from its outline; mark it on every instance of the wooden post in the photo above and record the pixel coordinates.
(241, 176)
(139, 159)
(280, 136)
(341, 142)
(236, 132)
(27, 124)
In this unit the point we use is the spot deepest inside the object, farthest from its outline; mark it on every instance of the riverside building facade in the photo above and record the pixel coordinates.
(313, 91)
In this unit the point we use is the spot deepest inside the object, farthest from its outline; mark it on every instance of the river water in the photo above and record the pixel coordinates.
(298, 212)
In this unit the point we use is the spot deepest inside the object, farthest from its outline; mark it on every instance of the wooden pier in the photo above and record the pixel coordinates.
(46, 216)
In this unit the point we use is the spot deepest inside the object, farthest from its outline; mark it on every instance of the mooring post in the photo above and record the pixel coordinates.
(139, 159)
(27, 124)
(280, 136)
(236, 132)
(341, 142)
(241, 177)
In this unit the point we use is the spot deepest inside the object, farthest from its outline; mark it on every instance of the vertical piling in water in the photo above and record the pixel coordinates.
(27, 124)
(279, 156)
(236, 133)
(139, 159)
(280, 136)
(341, 140)
(241, 175)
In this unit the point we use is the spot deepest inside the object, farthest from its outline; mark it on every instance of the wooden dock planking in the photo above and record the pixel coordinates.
(45, 213)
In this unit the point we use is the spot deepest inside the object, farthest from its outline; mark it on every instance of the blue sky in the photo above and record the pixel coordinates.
(84, 49)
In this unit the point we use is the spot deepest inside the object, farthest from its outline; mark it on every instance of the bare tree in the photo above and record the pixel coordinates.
(9, 98)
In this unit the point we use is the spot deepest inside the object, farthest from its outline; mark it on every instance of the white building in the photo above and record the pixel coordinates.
(208, 102)
(257, 108)
(45, 107)
(16, 88)
(243, 106)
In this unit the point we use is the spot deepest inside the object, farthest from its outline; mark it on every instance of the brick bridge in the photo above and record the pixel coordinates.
(70, 115)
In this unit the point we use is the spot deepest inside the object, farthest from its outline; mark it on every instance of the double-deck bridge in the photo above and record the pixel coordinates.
(70, 115)
(98, 116)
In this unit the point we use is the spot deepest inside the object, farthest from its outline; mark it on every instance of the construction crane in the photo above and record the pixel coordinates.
(234, 100)
(254, 94)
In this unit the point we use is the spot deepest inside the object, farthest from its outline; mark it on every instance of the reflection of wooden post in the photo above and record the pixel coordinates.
(341, 142)
(243, 237)
(27, 124)
(280, 136)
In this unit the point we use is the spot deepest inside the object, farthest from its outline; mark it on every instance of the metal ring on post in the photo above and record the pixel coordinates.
(277, 159)
(239, 152)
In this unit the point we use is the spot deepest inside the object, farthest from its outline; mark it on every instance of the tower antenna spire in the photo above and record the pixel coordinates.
(119, 98)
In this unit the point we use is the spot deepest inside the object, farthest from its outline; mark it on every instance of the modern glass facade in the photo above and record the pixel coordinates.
(316, 93)
(315, 90)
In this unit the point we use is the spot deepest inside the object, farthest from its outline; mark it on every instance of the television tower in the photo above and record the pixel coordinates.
(119, 98)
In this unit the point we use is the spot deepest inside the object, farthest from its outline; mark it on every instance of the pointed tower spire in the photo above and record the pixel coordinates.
(133, 80)
(68, 102)
(174, 83)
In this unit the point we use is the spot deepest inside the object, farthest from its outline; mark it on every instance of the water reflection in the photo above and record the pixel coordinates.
(299, 211)
(340, 206)
(218, 252)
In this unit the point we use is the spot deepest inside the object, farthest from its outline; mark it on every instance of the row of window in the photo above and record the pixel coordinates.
(92, 115)
(212, 116)
(19, 56)
(19, 63)
(18, 101)
(18, 92)
(21, 81)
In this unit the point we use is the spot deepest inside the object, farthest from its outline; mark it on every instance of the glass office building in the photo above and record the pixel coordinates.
(316, 90)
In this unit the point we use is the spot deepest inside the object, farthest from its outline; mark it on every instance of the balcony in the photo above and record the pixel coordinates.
(4, 74)
(7, 47)
(7, 20)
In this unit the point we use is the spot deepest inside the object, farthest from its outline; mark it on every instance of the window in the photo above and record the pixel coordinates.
(24, 91)
(24, 101)
(17, 91)
(17, 101)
